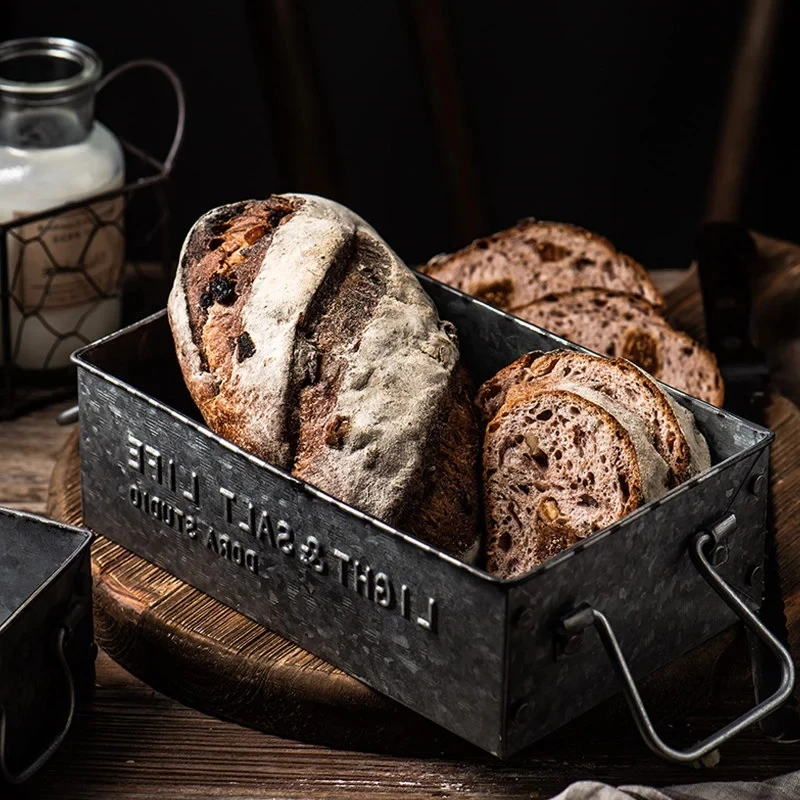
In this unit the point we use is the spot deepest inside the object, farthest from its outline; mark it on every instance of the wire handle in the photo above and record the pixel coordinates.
(180, 99)
(15, 778)
(585, 616)
(68, 416)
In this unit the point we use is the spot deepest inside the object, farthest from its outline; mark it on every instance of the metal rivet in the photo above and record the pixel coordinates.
(719, 555)
(524, 618)
(757, 484)
(522, 713)
(754, 575)
(572, 644)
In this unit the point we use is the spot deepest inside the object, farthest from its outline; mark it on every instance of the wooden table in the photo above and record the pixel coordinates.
(132, 742)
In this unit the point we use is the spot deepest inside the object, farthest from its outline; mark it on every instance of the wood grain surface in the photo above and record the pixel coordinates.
(132, 742)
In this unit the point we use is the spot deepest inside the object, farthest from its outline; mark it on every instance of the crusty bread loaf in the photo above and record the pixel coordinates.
(305, 340)
(616, 324)
(670, 427)
(559, 464)
(516, 266)
(452, 503)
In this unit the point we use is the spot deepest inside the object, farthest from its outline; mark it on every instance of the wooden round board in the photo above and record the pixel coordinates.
(208, 656)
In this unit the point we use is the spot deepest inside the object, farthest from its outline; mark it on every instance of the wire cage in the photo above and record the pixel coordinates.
(136, 217)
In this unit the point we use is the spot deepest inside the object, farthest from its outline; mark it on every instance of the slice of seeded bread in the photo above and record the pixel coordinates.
(559, 464)
(516, 266)
(616, 324)
(671, 429)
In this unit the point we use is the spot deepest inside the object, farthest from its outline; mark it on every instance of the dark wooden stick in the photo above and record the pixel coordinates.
(284, 55)
(735, 145)
(453, 136)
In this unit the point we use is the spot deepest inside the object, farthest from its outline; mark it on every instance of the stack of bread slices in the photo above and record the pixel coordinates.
(573, 443)
(576, 284)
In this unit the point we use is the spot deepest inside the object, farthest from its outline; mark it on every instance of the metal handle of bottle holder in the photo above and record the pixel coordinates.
(585, 616)
(16, 778)
(180, 100)
(70, 415)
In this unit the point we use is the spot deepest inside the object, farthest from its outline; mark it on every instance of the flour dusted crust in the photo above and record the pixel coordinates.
(303, 338)
(247, 399)
(391, 394)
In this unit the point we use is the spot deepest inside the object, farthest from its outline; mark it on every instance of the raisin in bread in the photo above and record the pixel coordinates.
(559, 464)
(516, 266)
(672, 429)
(616, 324)
(305, 340)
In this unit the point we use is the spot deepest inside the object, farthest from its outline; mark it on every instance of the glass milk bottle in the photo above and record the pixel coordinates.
(63, 271)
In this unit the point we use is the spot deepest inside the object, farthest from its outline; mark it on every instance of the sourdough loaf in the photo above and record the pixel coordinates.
(561, 462)
(671, 429)
(305, 340)
(516, 266)
(617, 324)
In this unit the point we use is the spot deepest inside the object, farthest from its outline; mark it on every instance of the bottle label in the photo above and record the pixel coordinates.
(69, 259)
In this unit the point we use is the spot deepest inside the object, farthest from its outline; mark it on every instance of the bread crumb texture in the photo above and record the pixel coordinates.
(517, 266)
(573, 443)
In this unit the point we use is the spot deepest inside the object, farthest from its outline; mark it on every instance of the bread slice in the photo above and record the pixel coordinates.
(560, 464)
(616, 324)
(671, 428)
(516, 266)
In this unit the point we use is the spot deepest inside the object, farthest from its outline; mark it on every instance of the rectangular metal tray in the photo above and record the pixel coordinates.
(482, 657)
(47, 647)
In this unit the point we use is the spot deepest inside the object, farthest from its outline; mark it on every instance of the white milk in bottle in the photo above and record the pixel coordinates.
(64, 271)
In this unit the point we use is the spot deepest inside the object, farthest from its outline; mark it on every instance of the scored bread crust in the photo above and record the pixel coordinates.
(671, 428)
(535, 258)
(305, 340)
(558, 467)
(619, 324)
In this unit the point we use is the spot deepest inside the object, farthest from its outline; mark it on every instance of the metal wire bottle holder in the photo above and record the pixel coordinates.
(22, 390)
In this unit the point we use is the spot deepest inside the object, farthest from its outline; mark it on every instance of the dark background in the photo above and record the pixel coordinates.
(606, 114)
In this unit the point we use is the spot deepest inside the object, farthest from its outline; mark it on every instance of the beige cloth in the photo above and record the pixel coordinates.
(787, 787)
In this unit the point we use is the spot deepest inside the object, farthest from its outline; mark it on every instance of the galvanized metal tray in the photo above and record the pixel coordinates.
(47, 647)
(498, 662)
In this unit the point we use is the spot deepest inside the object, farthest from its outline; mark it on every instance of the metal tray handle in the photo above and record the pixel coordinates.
(20, 777)
(585, 616)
